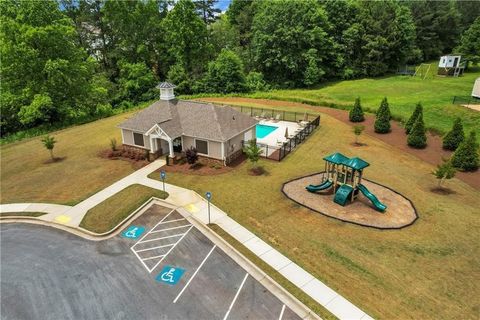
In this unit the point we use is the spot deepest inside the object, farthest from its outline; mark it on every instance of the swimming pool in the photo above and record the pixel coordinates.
(263, 130)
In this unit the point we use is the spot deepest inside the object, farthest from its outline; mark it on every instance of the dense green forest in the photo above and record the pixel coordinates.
(71, 61)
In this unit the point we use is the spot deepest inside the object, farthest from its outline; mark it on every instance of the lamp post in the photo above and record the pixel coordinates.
(162, 176)
(209, 197)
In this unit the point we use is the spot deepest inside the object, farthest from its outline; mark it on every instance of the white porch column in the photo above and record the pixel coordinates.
(152, 147)
(170, 148)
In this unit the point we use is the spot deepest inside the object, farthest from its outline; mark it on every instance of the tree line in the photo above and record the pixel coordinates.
(68, 61)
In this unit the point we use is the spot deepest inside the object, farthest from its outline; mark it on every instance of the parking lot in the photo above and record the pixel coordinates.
(160, 266)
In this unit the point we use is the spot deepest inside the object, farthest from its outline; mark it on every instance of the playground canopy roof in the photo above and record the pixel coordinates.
(336, 158)
(354, 163)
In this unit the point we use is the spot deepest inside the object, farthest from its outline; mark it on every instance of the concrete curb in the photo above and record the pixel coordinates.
(79, 231)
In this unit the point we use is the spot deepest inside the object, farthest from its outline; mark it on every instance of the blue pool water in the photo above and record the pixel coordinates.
(264, 130)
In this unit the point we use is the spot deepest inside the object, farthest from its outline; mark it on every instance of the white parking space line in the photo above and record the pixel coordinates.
(173, 228)
(161, 238)
(173, 221)
(281, 313)
(160, 243)
(152, 248)
(150, 258)
(194, 274)
(235, 298)
(168, 252)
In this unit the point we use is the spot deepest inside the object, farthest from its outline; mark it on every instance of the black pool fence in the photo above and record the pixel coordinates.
(279, 152)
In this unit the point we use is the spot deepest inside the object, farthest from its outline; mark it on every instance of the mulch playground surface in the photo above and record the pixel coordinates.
(400, 211)
(432, 154)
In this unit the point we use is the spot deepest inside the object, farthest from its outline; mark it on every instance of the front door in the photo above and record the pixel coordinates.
(177, 145)
(455, 62)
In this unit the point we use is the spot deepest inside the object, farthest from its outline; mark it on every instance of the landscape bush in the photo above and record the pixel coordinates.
(417, 137)
(191, 155)
(356, 114)
(411, 121)
(454, 137)
(467, 157)
(383, 116)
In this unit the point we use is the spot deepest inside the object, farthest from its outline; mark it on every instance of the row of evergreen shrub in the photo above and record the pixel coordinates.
(466, 151)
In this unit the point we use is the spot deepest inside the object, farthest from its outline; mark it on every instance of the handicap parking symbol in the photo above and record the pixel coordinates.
(133, 232)
(170, 275)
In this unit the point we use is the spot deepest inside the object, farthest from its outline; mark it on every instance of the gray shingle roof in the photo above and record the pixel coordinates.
(165, 85)
(200, 120)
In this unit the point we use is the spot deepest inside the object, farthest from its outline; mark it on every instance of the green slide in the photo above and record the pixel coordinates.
(378, 205)
(314, 188)
(341, 196)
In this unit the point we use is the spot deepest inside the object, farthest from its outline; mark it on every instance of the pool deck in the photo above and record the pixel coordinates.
(278, 135)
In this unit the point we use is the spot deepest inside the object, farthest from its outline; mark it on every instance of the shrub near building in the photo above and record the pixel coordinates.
(356, 114)
(382, 121)
(454, 137)
(466, 156)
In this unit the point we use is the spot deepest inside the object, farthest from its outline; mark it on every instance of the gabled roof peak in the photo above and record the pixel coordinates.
(165, 85)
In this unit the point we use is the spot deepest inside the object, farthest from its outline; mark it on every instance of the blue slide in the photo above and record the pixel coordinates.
(378, 205)
(342, 194)
(314, 188)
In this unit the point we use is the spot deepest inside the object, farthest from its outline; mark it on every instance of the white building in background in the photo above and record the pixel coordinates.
(476, 89)
(451, 65)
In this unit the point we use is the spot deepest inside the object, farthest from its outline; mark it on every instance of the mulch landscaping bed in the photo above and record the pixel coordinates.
(432, 154)
(400, 211)
(136, 162)
(204, 167)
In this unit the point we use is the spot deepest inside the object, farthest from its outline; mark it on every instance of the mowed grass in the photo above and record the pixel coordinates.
(435, 93)
(426, 271)
(108, 214)
(25, 177)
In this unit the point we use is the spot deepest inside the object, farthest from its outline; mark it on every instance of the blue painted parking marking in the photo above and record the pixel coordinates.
(133, 232)
(170, 275)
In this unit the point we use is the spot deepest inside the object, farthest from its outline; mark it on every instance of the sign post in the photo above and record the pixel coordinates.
(162, 176)
(209, 197)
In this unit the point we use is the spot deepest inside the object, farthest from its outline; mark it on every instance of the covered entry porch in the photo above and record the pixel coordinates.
(161, 143)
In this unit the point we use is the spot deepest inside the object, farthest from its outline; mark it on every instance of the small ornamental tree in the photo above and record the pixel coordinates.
(49, 143)
(411, 121)
(444, 171)
(191, 155)
(454, 137)
(417, 137)
(253, 152)
(382, 121)
(357, 130)
(356, 114)
(466, 156)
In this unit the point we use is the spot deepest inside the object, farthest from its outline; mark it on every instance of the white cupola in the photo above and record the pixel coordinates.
(166, 90)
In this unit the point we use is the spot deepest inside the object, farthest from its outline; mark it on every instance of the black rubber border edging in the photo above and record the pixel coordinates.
(347, 221)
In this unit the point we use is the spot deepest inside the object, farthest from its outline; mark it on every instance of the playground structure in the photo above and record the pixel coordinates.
(451, 65)
(345, 176)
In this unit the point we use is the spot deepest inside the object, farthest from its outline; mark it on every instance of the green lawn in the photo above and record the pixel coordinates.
(426, 271)
(435, 93)
(108, 214)
(27, 178)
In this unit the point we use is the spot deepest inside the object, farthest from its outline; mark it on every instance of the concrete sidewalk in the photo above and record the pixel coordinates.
(196, 205)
